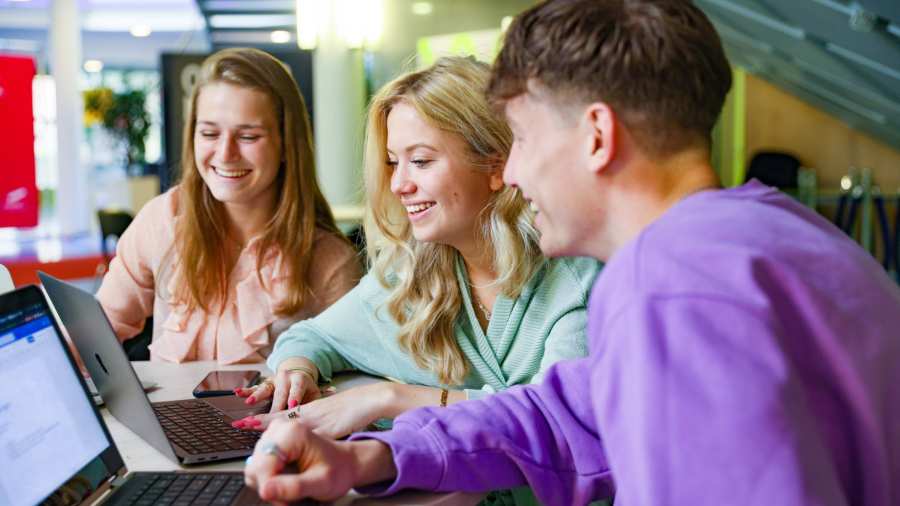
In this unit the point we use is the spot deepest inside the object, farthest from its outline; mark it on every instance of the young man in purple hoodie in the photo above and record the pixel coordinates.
(743, 350)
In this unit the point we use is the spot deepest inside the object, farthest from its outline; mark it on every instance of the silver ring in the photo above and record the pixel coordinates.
(270, 448)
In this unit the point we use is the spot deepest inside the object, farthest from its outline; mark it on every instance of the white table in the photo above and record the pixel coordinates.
(177, 381)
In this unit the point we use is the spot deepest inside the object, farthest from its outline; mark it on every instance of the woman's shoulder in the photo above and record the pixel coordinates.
(570, 275)
(161, 208)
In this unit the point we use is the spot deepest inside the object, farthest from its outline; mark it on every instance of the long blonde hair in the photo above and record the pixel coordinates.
(425, 297)
(300, 207)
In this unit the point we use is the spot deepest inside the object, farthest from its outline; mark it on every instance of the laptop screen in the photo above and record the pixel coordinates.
(50, 432)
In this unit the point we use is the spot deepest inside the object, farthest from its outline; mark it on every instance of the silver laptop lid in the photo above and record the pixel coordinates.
(106, 361)
(52, 438)
(6, 282)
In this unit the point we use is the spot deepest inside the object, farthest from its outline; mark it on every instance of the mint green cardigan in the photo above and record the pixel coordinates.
(544, 324)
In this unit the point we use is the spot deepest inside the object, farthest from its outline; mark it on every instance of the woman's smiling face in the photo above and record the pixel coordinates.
(443, 194)
(237, 145)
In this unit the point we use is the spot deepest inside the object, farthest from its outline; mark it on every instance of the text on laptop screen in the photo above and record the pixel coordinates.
(48, 428)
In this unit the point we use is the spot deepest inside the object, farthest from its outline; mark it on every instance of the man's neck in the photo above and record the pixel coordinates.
(647, 189)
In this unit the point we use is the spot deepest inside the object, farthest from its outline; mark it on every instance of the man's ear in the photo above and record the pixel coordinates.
(600, 122)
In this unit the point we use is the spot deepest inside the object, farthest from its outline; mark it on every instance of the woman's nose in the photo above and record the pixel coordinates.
(400, 182)
(227, 148)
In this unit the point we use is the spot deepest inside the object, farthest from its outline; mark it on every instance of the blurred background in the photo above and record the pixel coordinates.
(92, 98)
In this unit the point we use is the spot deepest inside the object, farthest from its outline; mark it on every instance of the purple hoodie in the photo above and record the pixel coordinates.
(743, 351)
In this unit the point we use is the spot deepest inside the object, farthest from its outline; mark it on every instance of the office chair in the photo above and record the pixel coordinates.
(113, 223)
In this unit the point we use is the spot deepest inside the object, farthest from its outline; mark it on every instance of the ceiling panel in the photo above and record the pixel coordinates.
(840, 56)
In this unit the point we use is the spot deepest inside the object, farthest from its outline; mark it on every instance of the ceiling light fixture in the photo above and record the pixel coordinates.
(93, 66)
(280, 36)
(311, 15)
(140, 31)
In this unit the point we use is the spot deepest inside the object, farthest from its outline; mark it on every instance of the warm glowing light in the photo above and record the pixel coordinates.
(93, 65)
(846, 183)
(280, 36)
(310, 15)
(360, 22)
(504, 23)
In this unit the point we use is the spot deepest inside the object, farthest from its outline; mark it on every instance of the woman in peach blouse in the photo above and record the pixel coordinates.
(245, 245)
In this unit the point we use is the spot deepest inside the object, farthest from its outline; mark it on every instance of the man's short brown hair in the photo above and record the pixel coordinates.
(659, 64)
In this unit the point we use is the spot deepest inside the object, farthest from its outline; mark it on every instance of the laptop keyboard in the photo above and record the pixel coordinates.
(146, 489)
(199, 428)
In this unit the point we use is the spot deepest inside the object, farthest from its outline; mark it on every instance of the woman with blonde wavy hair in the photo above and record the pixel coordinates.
(458, 302)
(245, 245)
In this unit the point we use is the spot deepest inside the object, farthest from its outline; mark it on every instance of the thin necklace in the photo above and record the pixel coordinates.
(484, 310)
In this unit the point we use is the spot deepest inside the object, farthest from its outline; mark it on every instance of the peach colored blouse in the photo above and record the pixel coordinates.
(142, 278)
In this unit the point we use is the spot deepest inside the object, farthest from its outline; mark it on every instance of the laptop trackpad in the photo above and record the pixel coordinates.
(233, 406)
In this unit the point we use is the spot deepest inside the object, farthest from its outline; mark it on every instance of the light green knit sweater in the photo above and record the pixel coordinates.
(525, 335)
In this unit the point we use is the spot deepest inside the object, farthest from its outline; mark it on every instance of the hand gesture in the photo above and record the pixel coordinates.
(294, 383)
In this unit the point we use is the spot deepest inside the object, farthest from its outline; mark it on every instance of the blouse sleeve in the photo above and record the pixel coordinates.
(343, 337)
(128, 288)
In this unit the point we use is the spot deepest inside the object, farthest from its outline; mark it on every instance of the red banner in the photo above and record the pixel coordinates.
(18, 191)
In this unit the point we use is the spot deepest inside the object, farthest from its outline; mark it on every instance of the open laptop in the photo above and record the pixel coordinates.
(54, 446)
(188, 431)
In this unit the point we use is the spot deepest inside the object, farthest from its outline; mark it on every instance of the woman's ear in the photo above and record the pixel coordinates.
(495, 183)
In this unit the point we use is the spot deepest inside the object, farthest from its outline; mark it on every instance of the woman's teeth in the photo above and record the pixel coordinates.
(231, 173)
(418, 208)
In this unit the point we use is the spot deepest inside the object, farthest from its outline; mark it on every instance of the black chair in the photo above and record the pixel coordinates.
(113, 223)
(774, 168)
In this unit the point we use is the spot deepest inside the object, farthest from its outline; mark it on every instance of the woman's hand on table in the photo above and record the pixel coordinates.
(337, 415)
(295, 383)
(327, 469)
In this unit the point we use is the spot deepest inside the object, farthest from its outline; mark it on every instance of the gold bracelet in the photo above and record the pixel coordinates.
(444, 394)
(304, 369)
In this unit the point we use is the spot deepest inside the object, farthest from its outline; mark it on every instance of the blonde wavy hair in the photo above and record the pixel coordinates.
(300, 207)
(425, 297)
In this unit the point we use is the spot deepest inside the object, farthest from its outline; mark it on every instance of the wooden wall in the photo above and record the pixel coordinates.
(776, 120)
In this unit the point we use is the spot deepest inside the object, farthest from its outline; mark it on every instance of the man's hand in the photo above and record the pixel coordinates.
(326, 469)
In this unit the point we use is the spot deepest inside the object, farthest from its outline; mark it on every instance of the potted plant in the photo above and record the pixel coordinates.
(124, 117)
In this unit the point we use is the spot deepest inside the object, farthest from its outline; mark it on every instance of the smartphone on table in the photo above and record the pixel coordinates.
(218, 383)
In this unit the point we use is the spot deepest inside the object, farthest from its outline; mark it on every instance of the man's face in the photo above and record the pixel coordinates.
(549, 163)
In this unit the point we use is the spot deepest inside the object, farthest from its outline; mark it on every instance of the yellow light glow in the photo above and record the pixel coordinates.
(93, 65)
(359, 22)
(846, 183)
(504, 23)
(310, 15)
(140, 31)
(280, 36)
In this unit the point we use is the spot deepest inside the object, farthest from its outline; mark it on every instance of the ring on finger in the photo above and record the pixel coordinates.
(292, 415)
(270, 448)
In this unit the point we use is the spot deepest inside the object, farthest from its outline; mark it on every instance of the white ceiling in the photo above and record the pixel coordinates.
(176, 26)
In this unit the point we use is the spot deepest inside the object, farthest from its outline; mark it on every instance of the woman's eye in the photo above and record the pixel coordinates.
(249, 138)
(420, 162)
(209, 135)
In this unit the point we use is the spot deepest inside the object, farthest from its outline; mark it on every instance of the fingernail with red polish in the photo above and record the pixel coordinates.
(237, 391)
(253, 422)
(237, 424)
(292, 403)
(250, 400)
